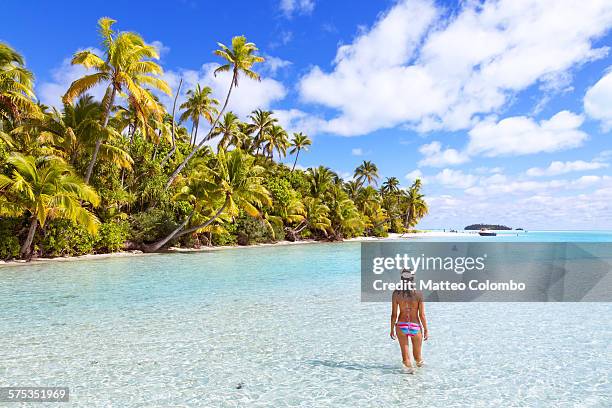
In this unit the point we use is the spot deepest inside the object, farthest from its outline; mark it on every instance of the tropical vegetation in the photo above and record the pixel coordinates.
(127, 172)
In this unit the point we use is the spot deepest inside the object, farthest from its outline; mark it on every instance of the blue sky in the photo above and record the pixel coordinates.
(504, 109)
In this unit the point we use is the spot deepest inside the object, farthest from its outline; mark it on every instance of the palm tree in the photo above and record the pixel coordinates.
(366, 171)
(315, 217)
(229, 129)
(345, 217)
(16, 86)
(320, 180)
(239, 60)
(352, 188)
(368, 200)
(417, 207)
(127, 68)
(199, 103)
(276, 139)
(390, 186)
(46, 188)
(233, 181)
(392, 199)
(76, 130)
(299, 142)
(261, 124)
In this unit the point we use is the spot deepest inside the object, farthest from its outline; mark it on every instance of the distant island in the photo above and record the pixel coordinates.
(487, 226)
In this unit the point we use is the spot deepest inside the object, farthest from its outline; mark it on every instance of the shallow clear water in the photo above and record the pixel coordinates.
(282, 326)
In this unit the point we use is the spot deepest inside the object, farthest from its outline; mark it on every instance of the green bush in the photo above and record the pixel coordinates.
(152, 225)
(251, 231)
(112, 236)
(62, 237)
(280, 189)
(9, 242)
(279, 232)
(227, 237)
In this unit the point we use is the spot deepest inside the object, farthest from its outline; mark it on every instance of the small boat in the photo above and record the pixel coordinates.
(484, 233)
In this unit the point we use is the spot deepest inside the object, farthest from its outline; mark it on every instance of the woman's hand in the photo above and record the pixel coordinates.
(425, 334)
(392, 333)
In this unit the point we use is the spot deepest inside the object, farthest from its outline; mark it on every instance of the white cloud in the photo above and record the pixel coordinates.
(512, 136)
(50, 93)
(357, 152)
(520, 135)
(291, 7)
(249, 94)
(486, 170)
(295, 120)
(273, 64)
(418, 66)
(455, 179)
(535, 210)
(558, 167)
(415, 174)
(505, 186)
(436, 157)
(598, 101)
(161, 48)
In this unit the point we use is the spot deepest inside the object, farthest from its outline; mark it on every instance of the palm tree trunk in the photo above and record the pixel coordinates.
(409, 217)
(25, 248)
(155, 246)
(195, 133)
(178, 232)
(94, 157)
(295, 162)
(191, 135)
(207, 223)
(212, 128)
(300, 228)
(171, 152)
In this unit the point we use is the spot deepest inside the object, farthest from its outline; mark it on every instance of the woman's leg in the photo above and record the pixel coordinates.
(417, 342)
(404, 347)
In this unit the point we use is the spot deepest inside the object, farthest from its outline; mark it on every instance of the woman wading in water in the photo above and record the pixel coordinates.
(411, 323)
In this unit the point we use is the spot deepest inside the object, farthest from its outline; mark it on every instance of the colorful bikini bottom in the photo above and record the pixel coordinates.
(408, 328)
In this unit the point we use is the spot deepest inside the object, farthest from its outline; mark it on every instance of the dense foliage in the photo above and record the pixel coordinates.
(125, 173)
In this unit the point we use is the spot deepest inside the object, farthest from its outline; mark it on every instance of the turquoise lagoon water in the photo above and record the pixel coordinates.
(284, 326)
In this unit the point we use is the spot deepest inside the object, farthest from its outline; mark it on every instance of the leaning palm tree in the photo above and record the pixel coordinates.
(239, 60)
(16, 86)
(198, 104)
(233, 182)
(127, 67)
(367, 171)
(299, 142)
(46, 188)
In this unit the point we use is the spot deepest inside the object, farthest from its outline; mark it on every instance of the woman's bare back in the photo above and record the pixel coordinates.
(408, 303)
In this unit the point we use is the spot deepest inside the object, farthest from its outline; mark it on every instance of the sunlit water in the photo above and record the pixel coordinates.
(282, 326)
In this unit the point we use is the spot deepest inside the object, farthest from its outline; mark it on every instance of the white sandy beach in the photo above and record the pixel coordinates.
(392, 236)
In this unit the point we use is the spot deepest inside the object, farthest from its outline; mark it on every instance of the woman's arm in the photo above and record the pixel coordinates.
(393, 316)
(423, 319)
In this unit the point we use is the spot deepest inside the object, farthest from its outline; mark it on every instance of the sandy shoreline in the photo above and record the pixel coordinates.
(392, 236)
